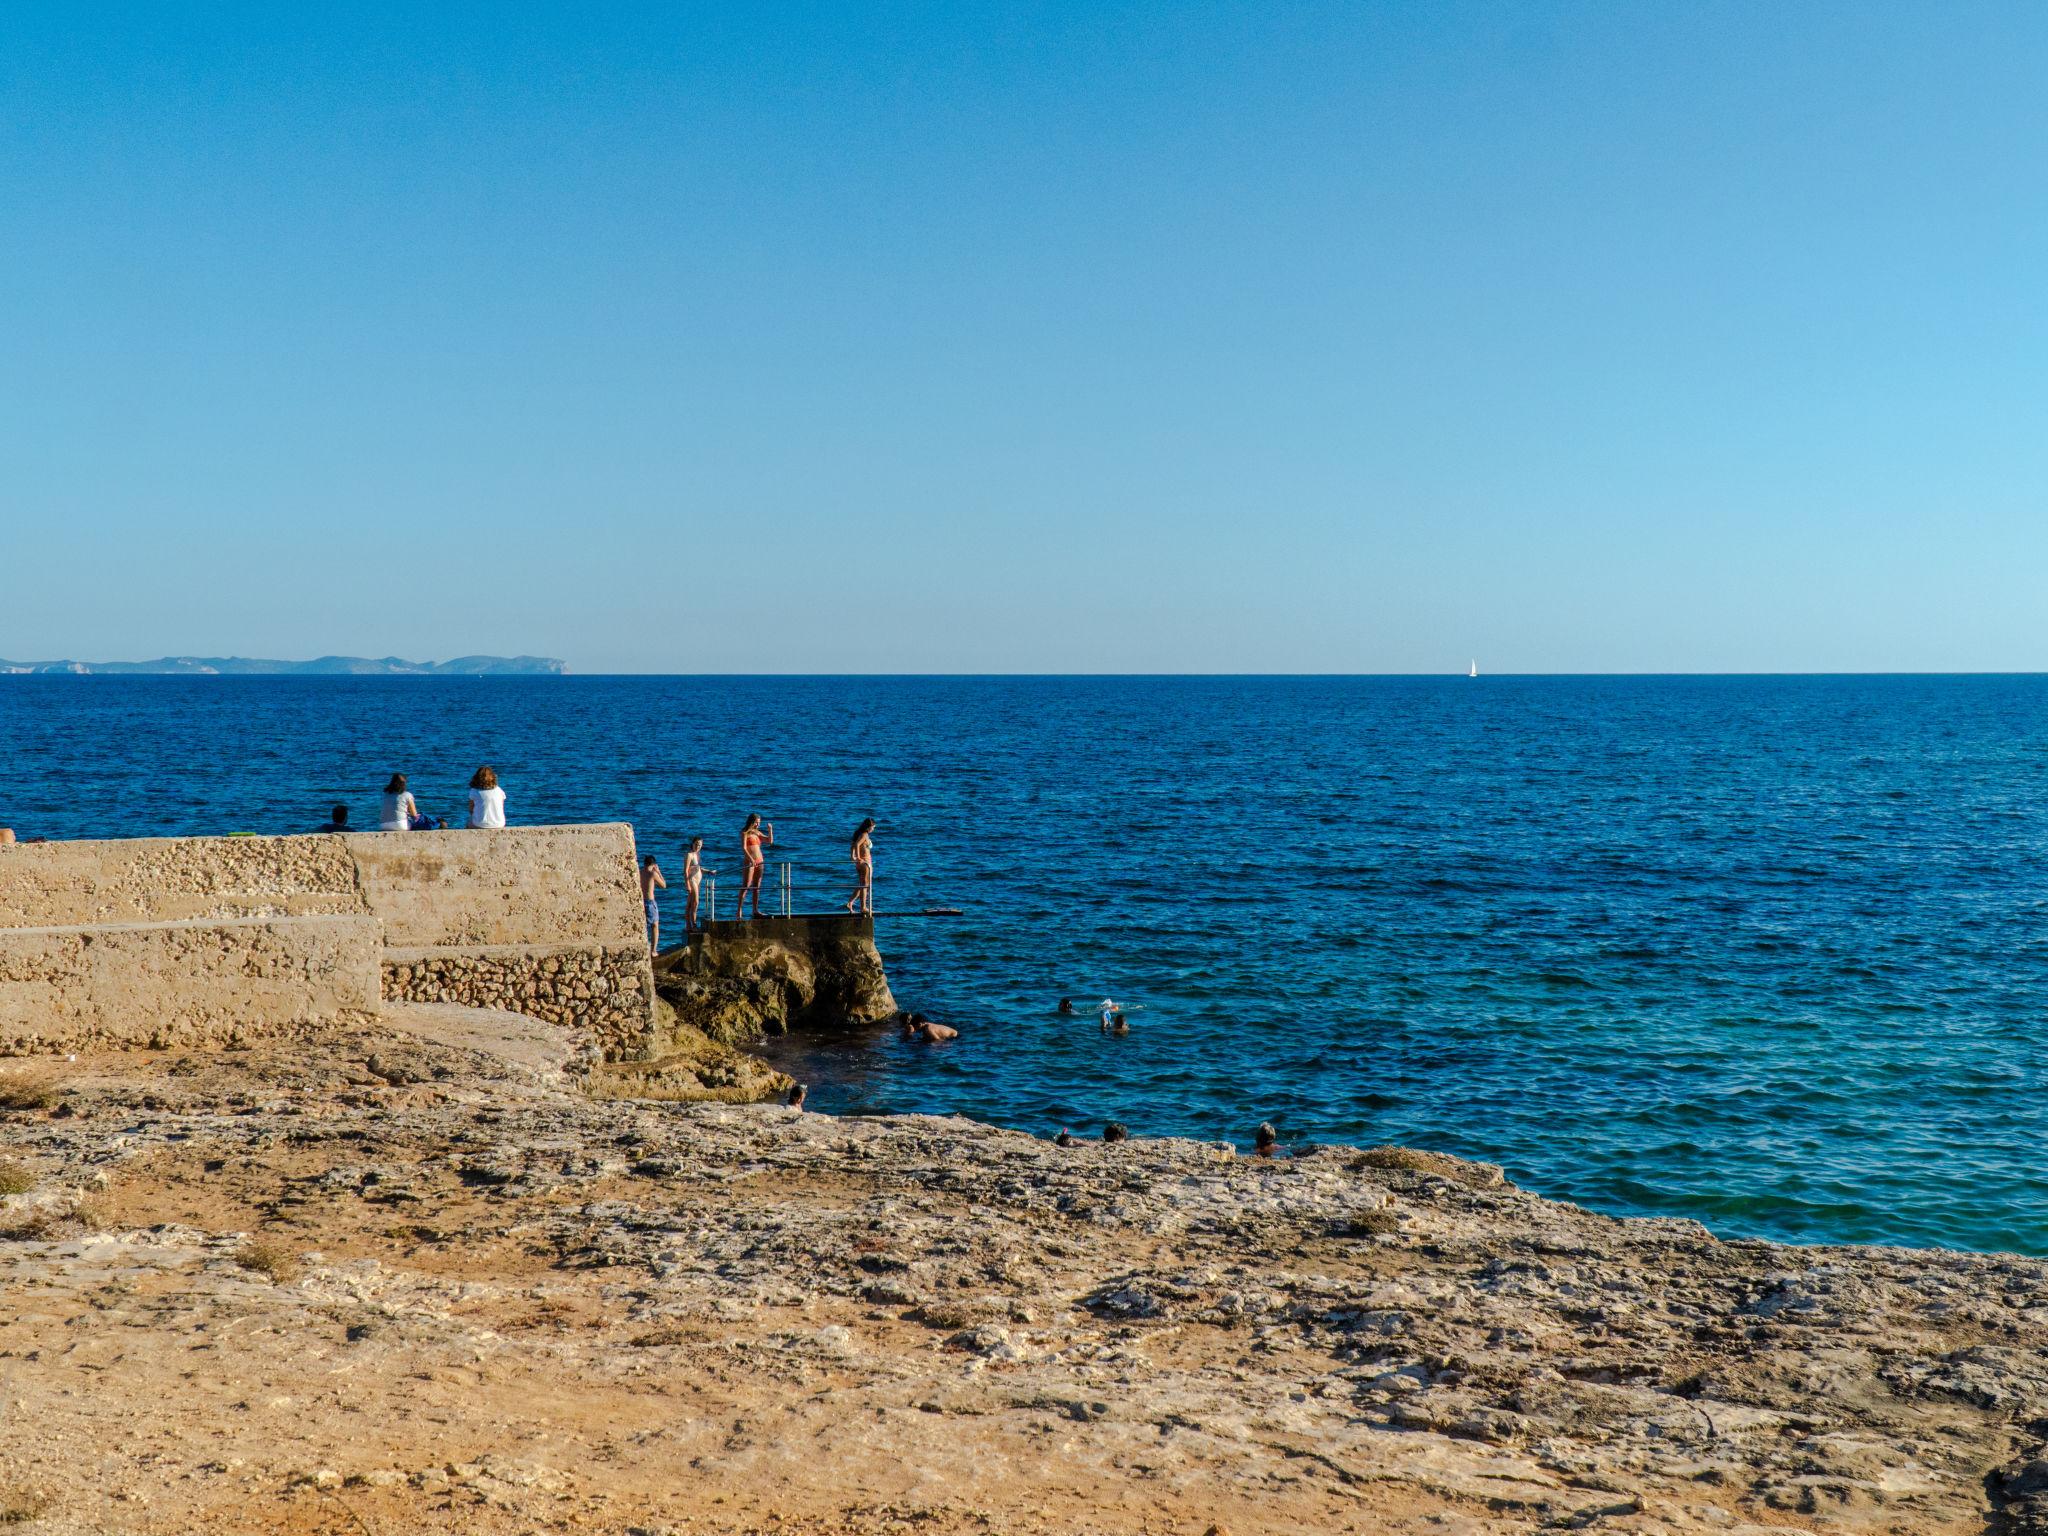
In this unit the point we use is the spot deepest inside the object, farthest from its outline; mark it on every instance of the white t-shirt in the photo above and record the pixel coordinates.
(398, 809)
(487, 807)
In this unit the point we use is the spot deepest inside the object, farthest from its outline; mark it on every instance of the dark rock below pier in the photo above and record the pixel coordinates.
(738, 981)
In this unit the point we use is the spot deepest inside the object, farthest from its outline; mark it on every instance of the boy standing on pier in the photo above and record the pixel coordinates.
(651, 880)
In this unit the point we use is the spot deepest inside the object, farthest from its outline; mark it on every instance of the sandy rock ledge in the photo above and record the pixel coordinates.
(291, 1289)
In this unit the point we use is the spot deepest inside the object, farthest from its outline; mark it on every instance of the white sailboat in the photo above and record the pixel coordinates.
(1475, 670)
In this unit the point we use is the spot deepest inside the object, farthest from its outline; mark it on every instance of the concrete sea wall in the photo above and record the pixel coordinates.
(178, 941)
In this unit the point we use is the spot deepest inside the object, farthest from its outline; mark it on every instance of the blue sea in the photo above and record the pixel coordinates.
(1767, 952)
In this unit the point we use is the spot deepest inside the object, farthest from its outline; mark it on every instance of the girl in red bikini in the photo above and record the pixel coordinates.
(754, 836)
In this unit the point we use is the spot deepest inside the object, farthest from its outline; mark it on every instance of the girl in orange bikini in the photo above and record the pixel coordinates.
(754, 836)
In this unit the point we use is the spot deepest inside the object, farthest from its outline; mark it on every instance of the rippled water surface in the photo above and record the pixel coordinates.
(1766, 952)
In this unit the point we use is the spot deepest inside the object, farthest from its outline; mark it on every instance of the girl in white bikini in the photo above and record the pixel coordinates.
(863, 898)
(693, 880)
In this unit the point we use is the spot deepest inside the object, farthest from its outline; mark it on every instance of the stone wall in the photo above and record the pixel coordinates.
(600, 990)
(128, 940)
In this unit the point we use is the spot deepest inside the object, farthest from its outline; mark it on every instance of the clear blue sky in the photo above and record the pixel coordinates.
(1181, 337)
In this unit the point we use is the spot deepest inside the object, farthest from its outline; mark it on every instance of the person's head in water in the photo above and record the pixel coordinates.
(1115, 1131)
(338, 814)
(485, 777)
(1066, 1005)
(1118, 1024)
(797, 1095)
(396, 786)
(1265, 1140)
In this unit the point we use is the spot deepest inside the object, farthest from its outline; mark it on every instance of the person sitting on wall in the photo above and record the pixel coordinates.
(399, 810)
(486, 799)
(337, 820)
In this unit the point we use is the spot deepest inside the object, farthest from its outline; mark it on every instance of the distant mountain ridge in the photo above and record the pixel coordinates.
(325, 666)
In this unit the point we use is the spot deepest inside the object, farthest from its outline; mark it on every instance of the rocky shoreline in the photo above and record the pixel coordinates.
(423, 1281)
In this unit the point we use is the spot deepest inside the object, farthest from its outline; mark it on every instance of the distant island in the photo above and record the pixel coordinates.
(325, 666)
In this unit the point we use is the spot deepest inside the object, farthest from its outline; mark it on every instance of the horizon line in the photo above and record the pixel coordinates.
(539, 677)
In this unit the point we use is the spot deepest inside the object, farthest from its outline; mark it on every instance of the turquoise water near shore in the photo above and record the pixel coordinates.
(1768, 952)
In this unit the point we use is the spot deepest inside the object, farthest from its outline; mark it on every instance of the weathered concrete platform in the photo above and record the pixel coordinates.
(188, 940)
(185, 982)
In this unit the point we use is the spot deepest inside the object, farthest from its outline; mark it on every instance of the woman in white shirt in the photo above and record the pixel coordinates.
(486, 800)
(399, 807)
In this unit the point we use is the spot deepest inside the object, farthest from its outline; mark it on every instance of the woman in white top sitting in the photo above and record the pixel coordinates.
(399, 807)
(486, 800)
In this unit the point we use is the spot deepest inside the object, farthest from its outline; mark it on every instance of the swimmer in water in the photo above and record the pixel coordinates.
(917, 1027)
(1066, 1005)
(797, 1095)
(1266, 1140)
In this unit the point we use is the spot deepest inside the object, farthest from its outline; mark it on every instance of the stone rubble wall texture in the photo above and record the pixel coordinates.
(542, 920)
(600, 990)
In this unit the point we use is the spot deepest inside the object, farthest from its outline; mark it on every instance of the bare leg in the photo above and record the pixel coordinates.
(690, 911)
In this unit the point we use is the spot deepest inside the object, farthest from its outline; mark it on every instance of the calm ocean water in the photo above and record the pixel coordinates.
(1765, 952)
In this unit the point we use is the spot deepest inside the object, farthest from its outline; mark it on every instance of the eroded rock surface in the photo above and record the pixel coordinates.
(421, 1282)
(737, 982)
